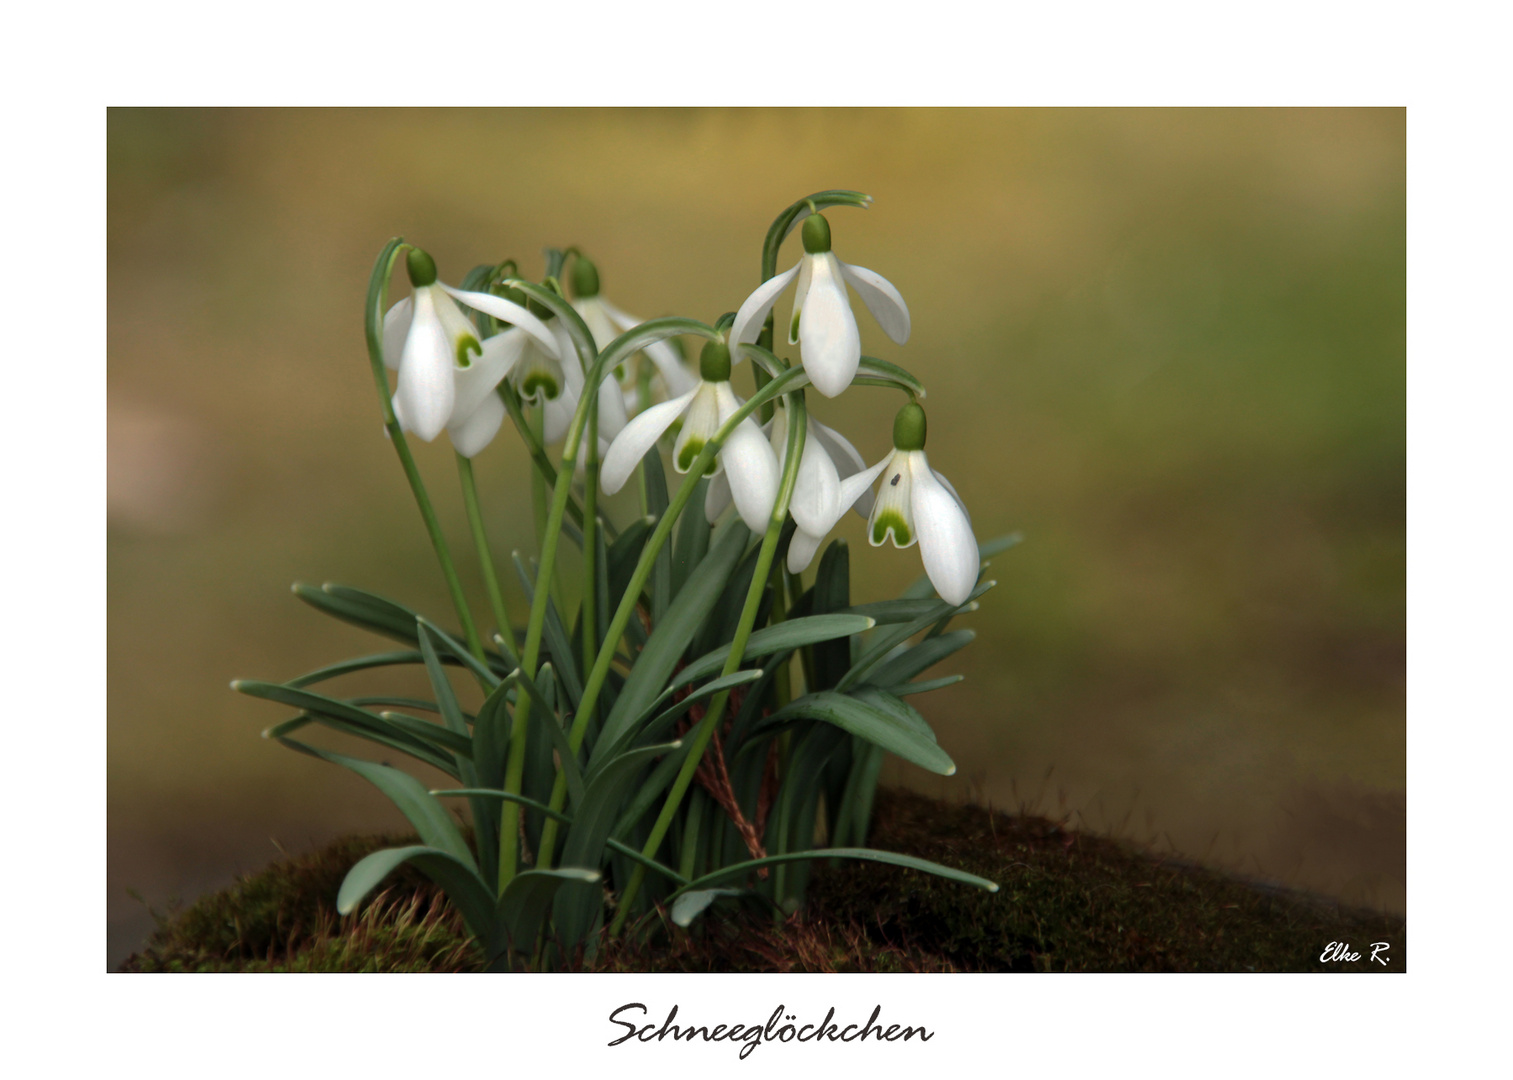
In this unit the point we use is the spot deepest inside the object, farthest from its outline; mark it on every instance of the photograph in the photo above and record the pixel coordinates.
(874, 540)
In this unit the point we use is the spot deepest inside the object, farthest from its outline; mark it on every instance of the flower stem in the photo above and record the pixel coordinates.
(378, 295)
(716, 710)
(481, 543)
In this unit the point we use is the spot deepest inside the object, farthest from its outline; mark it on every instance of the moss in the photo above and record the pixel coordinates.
(1067, 902)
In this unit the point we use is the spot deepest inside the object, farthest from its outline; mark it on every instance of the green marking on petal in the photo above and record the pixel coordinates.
(891, 520)
(793, 326)
(466, 345)
(691, 449)
(540, 382)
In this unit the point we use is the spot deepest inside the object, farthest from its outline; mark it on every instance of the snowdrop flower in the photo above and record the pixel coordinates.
(475, 412)
(745, 461)
(916, 503)
(428, 340)
(822, 325)
(826, 460)
(607, 322)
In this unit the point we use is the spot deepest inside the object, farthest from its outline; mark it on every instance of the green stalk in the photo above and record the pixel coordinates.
(713, 715)
(537, 451)
(481, 542)
(546, 572)
(588, 606)
(791, 380)
(378, 297)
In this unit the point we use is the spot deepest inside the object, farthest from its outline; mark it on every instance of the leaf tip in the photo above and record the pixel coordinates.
(871, 622)
(236, 684)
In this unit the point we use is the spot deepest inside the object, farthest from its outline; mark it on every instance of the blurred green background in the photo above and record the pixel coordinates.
(1167, 346)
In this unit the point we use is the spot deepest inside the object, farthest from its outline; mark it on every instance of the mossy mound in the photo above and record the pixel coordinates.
(1067, 902)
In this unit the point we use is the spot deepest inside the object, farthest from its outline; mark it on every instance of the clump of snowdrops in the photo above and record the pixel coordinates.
(681, 719)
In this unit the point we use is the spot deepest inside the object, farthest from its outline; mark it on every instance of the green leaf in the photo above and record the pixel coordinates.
(656, 507)
(557, 644)
(650, 729)
(360, 721)
(898, 669)
(524, 903)
(545, 714)
(873, 719)
(485, 824)
(607, 789)
(784, 637)
(865, 854)
(690, 905)
(491, 736)
(361, 663)
(429, 817)
(458, 880)
(908, 688)
(831, 594)
(459, 653)
(665, 646)
(691, 541)
(881, 648)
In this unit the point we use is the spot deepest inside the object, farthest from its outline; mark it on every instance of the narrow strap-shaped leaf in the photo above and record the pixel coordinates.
(459, 881)
(429, 817)
(650, 729)
(485, 823)
(908, 688)
(876, 724)
(379, 619)
(891, 612)
(461, 746)
(446, 643)
(491, 735)
(524, 903)
(445, 762)
(899, 668)
(656, 506)
(540, 807)
(544, 713)
(603, 800)
(690, 905)
(361, 663)
(865, 854)
(889, 639)
(557, 642)
(691, 541)
(323, 706)
(665, 646)
(784, 637)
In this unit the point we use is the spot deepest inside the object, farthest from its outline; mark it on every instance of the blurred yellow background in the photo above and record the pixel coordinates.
(1167, 346)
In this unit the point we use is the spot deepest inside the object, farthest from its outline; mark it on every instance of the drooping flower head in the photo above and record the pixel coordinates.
(745, 461)
(446, 375)
(827, 459)
(915, 504)
(607, 322)
(830, 346)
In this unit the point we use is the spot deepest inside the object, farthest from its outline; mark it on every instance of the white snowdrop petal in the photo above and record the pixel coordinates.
(947, 484)
(946, 542)
(856, 486)
(716, 497)
(477, 382)
(635, 439)
(510, 312)
(806, 278)
(748, 320)
(612, 413)
(752, 469)
(699, 426)
(847, 460)
(557, 416)
(815, 504)
(426, 389)
(396, 326)
(801, 549)
(893, 514)
(884, 301)
(829, 343)
(471, 434)
(597, 319)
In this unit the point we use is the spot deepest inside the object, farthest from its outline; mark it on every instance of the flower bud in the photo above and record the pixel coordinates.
(816, 233)
(909, 427)
(585, 278)
(422, 268)
(714, 362)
